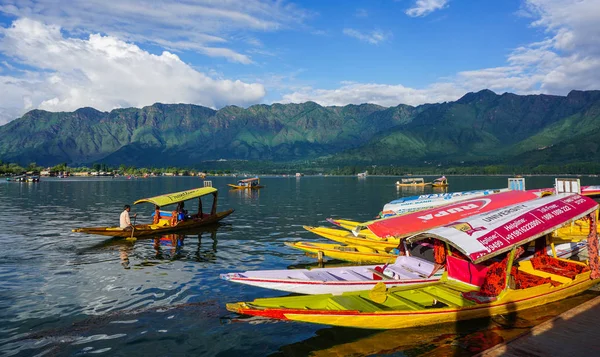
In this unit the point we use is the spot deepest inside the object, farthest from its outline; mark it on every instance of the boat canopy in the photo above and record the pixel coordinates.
(486, 235)
(441, 179)
(415, 222)
(411, 180)
(249, 180)
(171, 198)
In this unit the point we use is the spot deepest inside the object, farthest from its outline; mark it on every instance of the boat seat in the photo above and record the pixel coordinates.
(321, 275)
(404, 273)
(557, 266)
(357, 275)
(353, 302)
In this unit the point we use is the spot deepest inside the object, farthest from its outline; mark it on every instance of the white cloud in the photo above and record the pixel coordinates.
(425, 7)
(382, 94)
(177, 25)
(104, 72)
(374, 37)
(569, 58)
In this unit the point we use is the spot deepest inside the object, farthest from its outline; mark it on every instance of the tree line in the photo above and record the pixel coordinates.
(307, 167)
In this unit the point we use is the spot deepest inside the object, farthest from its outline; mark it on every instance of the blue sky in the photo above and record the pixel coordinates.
(62, 55)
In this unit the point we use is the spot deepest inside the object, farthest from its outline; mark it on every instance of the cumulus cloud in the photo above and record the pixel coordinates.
(173, 24)
(382, 94)
(568, 58)
(425, 7)
(104, 72)
(374, 37)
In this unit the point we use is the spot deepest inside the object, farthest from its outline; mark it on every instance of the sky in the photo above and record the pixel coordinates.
(63, 55)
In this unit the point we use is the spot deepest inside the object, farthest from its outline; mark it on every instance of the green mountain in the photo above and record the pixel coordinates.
(479, 128)
(487, 128)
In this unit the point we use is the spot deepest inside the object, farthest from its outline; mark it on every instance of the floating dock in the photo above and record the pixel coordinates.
(572, 333)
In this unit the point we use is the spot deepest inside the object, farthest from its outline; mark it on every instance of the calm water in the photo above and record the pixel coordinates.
(63, 293)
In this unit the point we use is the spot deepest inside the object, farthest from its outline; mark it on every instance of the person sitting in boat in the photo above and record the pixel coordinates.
(156, 219)
(125, 221)
(182, 213)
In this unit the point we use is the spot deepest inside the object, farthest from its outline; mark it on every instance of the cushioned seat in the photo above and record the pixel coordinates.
(557, 266)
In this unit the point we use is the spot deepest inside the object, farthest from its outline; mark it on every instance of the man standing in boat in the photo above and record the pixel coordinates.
(125, 222)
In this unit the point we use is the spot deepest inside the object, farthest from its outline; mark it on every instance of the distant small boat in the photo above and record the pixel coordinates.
(363, 174)
(299, 174)
(411, 182)
(247, 184)
(440, 182)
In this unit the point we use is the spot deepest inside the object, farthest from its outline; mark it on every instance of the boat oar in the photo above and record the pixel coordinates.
(133, 227)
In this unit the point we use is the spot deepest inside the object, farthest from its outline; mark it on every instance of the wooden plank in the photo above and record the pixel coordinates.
(572, 333)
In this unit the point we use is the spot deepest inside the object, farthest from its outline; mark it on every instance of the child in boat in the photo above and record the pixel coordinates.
(156, 219)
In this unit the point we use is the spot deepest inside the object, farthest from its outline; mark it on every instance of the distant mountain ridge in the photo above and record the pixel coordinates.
(479, 127)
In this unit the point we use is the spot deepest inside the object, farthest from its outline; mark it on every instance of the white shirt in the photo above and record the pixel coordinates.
(124, 219)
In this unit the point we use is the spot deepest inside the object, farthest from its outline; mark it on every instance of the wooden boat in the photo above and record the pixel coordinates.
(247, 184)
(459, 295)
(420, 202)
(164, 225)
(364, 237)
(590, 191)
(411, 182)
(415, 222)
(440, 182)
(351, 253)
(404, 271)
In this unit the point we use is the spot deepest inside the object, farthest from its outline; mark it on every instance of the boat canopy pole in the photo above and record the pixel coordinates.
(200, 213)
(509, 265)
(213, 210)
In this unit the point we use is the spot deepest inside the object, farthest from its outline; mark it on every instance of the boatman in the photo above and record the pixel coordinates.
(125, 222)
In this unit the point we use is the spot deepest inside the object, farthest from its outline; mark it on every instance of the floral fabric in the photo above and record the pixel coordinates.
(593, 248)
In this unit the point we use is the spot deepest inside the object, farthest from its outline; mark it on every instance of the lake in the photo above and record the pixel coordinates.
(64, 293)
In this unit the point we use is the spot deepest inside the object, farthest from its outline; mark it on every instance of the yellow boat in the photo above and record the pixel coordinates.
(165, 224)
(463, 293)
(247, 184)
(347, 237)
(412, 182)
(440, 182)
(355, 253)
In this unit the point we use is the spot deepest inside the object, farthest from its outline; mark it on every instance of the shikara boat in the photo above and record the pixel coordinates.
(360, 254)
(363, 251)
(389, 231)
(440, 182)
(165, 224)
(472, 287)
(420, 202)
(404, 271)
(411, 182)
(247, 184)
(590, 191)
(364, 237)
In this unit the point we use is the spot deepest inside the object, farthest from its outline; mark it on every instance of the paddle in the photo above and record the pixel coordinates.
(378, 293)
(133, 227)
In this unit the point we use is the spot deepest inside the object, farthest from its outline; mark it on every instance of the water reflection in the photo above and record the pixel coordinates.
(245, 195)
(197, 245)
(469, 338)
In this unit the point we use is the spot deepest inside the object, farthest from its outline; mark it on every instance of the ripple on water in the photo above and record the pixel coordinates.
(63, 293)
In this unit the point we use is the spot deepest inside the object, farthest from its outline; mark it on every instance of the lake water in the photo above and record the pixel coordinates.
(64, 293)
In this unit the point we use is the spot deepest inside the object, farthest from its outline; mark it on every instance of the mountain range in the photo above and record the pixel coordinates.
(481, 127)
